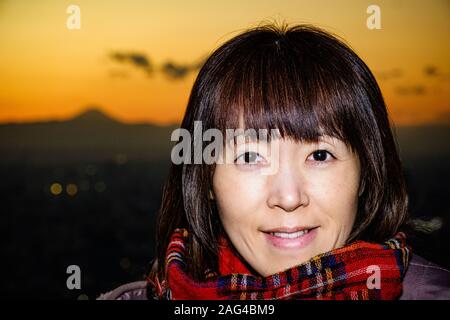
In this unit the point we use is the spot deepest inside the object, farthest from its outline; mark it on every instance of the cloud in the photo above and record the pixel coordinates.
(434, 72)
(177, 71)
(174, 70)
(171, 69)
(136, 59)
(411, 90)
(430, 71)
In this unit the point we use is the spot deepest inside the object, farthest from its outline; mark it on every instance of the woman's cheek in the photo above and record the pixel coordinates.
(239, 198)
(327, 193)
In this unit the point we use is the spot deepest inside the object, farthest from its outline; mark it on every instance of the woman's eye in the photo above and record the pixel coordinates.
(321, 155)
(248, 157)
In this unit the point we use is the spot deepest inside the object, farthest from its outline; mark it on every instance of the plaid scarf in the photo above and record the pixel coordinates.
(349, 272)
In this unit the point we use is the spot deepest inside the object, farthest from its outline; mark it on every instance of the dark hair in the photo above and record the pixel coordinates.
(305, 82)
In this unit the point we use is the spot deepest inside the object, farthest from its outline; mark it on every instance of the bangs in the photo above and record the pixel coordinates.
(303, 91)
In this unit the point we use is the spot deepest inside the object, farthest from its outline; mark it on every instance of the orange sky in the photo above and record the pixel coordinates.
(48, 71)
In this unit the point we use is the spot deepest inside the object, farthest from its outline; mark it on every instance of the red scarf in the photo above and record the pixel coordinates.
(349, 272)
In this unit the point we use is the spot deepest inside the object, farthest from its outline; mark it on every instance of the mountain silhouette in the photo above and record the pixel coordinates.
(90, 136)
(93, 135)
(93, 116)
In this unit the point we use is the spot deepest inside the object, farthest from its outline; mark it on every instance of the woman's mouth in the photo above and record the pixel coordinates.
(291, 240)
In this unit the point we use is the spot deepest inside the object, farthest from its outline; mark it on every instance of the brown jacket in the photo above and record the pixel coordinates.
(423, 281)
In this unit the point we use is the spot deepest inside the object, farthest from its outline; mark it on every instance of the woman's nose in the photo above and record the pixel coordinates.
(287, 190)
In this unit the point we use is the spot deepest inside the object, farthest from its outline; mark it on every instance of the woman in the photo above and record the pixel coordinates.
(327, 222)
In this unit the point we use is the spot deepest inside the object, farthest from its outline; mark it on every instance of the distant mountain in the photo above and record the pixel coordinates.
(89, 136)
(93, 116)
(95, 136)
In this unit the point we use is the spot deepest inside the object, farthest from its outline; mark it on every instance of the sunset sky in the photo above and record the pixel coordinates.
(50, 72)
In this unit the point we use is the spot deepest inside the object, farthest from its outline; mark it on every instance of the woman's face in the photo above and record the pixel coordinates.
(304, 208)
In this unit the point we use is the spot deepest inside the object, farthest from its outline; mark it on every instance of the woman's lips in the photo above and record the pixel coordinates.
(296, 242)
